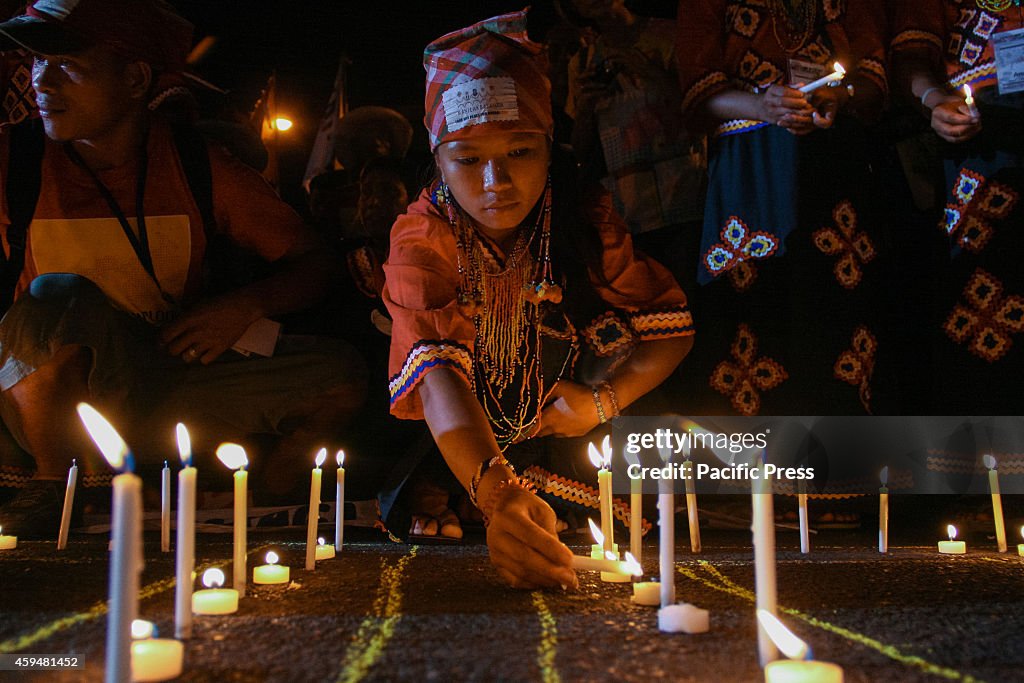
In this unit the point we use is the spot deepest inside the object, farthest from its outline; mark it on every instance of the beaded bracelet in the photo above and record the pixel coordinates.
(481, 469)
(488, 505)
(596, 391)
(612, 398)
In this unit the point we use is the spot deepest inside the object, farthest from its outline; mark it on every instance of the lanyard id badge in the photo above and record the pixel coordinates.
(1009, 48)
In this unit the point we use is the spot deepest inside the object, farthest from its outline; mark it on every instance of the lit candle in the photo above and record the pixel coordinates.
(313, 516)
(339, 502)
(883, 512)
(323, 552)
(801, 503)
(609, 565)
(997, 501)
(636, 540)
(598, 552)
(667, 535)
(691, 503)
(952, 547)
(271, 572)
(647, 593)
(154, 659)
(833, 77)
(165, 509)
(764, 555)
(69, 504)
(1020, 546)
(214, 599)
(798, 667)
(185, 545)
(604, 489)
(7, 542)
(234, 458)
(972, 109)
(685, 618)
(126, 529)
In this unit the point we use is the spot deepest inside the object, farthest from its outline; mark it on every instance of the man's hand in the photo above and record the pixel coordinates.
(207, 330)
(952, 120)
(787, 108)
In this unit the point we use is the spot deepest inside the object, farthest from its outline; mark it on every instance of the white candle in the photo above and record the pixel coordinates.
(636, 510)
(833, 77)
(609, 565)
(154, 659)
(764, 557)
(799, 667)
(165, 509)
(667, 536)
(883, 513)
(126, 529)
(685, 618)
(647, 593)
(997, 502)
(339, 503)
(185, 543)
(271, 572)
(952, 547)
(69, 505)
(604, 489)
(7, 542)
(313, 516)
(805, 532)
(214, 599)
(323, 552)
(972, 109)
(233, 456)
(598, 552)
(691, 504)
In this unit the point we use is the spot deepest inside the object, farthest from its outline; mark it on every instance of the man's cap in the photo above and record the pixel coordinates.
(143, 30)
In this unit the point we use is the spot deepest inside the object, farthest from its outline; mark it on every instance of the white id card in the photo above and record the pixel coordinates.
(804, 72)
(260, 339)
(1009, 46)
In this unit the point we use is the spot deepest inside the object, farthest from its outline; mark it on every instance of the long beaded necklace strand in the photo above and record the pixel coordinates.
(997, 5)
(799, 18)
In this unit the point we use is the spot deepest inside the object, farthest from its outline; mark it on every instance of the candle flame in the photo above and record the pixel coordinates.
(1022, 532)
(142, 629)
(2, 530)
(784, 639)
(838, 68)
(213, 578)
(321, 456)
(968, 95)
(339, 458)
(595, 531)
(951, 530)
(884, 476)
(232, 455)
(320, 541)
(634, 567)
(606, 450)
(272, 557)
(989, 460)
(594, 455)
(184, 444)
(609, 555)
(110, 443)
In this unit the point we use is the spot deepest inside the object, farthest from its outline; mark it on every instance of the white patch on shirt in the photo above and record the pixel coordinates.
(479, 101)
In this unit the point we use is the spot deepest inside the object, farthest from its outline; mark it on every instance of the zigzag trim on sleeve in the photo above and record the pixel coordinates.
(424, 356)
(875, 71)
(910, 39)
(705, 87)
(575, 493)
(674, 321)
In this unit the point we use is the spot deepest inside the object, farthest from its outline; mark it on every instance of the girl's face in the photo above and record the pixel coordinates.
(497, 179)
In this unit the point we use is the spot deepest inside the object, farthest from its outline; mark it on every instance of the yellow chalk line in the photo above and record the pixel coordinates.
(728, 586)
(376, 630)
(94, 612)
(548, 646)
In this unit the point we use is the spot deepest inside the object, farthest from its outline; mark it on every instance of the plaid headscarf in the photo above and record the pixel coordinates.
(484, 78)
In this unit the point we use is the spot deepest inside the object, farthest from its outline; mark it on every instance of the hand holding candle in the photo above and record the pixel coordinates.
(234, 458)
(313, 516)
(837, 75)
(972, 108)
(997, 502)
(69, 504)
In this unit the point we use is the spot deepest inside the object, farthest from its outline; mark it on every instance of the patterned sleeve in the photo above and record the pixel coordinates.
(641, 286)
(700, 31)
(866, 25)
(918, 25)
(420, 293)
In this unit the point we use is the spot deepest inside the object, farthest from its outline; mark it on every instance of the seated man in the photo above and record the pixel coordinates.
(113, 303)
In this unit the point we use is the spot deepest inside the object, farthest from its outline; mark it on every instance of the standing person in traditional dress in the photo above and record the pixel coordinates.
(790, 268)
(519, 306)
(941, 48)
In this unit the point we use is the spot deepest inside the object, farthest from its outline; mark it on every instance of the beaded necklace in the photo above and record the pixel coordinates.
(799, 19)
(997, 5)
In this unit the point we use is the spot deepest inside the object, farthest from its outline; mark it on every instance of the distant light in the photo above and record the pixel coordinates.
(282, 124)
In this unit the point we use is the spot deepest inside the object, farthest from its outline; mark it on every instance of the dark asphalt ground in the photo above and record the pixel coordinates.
(388, 612)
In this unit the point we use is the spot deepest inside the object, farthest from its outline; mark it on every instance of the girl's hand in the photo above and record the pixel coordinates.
(570, 410)
(787, 108)
(952, 120)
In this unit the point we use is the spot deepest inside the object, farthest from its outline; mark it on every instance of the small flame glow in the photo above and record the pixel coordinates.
(232, 455)
(595, 531)
(606, 450)
(884, 476)
(339, 458)
(968, 94)
(2, 530)
(320, 541)
(272, 557)
(321, 457)
(1022, 532)
(951, 531)
(609, 555)
(184, 444)
(110, 443)
(838, 68)
(594, 455)
(989, 460)
(784, 639)
(213, 578)
(634, 567)
(142, 629)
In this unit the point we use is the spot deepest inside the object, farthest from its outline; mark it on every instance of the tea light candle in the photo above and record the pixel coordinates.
(271, 572)
(234, 458)
(154, 659)
(339, 502)
(997, 501)
(69, 504)
(165, 509)
(883, 512)
(685, 618)
(313, 516)
(323, 552)
(7, 542)
(805, 532)
(952, 547)
(799, 667)
(185, 546)
(647, 593)
(833, 77)
(972, 109)
(214, 599)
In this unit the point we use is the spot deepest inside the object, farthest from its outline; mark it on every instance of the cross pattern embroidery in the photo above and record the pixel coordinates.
(986, 320)
(744, 377)
(853, 248)
(738, 248)
(977, 202)
(856, 365)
